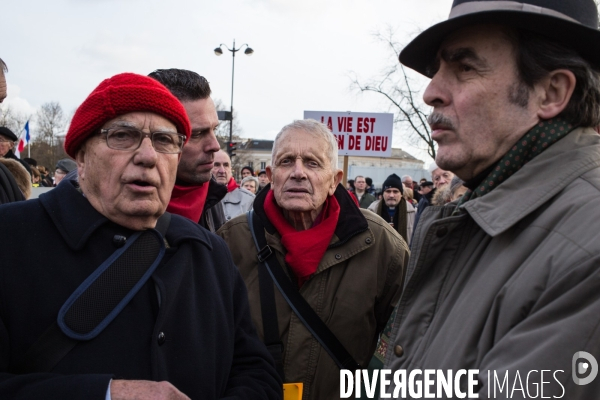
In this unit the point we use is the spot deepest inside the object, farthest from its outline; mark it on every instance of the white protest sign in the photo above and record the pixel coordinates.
(358, 134)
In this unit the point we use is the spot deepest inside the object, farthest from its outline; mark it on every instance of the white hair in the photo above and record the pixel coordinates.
(313, 127)
(249, 178)
(403, 179)
(432, 168)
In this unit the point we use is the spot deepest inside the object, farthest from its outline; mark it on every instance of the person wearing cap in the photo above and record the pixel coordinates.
(247, 171)
(63, 167)
(7, 144)
(345, 262)
(505, 279)
(394, 208)
(263, 180)
(196, 195)
(70, 328)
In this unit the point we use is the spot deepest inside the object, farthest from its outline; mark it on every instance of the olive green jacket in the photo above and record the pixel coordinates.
(354, 290)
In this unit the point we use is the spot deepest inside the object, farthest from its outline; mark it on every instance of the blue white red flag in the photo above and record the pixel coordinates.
(25, 139)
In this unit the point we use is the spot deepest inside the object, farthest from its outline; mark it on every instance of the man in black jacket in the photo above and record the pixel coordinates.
(183, 331)
(195, 194)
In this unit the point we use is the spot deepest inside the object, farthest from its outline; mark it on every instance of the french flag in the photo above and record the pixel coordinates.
(25, 139)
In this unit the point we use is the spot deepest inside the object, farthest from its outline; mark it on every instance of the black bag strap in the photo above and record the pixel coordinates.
(301, 308)
(268, 311)
(77, 320)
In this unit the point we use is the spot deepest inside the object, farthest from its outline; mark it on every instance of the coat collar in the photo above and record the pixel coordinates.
(537, 182)
(76, 220)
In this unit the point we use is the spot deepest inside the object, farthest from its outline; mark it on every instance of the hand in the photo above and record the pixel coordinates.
(144, 390)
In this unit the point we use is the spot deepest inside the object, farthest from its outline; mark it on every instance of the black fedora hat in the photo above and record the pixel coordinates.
(572, 23)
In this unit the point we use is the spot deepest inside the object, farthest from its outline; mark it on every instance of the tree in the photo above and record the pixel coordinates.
(11, 119)
(395, 85)
(47, 146)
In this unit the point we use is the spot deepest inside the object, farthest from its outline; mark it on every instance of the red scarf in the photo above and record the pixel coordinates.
(232, 185)
(188, 201)
(305, 249)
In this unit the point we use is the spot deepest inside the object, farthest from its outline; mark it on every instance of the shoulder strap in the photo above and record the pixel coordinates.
(115, 282)
(268, 310)
(301, 308)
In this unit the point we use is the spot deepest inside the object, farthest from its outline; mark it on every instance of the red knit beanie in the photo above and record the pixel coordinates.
(122, 94)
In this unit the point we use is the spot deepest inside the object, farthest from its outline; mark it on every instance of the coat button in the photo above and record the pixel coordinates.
(368, 240)
(119, 240)
(338, 256)
(398, 350)
(441, 232)
(161, 338)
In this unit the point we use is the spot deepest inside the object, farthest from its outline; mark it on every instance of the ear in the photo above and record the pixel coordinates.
(556, 90)
(80, 160)
(269, 173)
(337, 178)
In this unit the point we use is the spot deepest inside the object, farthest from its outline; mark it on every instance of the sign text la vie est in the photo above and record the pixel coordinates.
(358, 134)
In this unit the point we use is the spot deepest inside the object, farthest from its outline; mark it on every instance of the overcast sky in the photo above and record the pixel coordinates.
(304, 51)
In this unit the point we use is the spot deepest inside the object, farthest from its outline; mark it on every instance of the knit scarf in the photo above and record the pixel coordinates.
(232, 185)
(533, 143)
(305, 249)
(188, 201)
(399, 220)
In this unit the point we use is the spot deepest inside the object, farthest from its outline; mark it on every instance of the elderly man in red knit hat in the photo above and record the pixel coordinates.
(122, 309)
(338, 268)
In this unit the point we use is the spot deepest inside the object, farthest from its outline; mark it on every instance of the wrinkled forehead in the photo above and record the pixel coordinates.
(479, 44)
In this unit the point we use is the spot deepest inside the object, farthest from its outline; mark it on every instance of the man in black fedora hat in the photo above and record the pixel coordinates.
(503, 283)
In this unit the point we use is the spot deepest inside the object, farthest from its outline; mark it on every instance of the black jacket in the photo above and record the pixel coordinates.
(209, 348)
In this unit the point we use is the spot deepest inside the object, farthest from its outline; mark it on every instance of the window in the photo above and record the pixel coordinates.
(263, 165)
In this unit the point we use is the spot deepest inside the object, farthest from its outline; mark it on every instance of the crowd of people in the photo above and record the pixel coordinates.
(161, 276)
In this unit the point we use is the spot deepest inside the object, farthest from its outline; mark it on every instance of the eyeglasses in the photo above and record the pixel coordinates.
(5, 141)
(130, 139)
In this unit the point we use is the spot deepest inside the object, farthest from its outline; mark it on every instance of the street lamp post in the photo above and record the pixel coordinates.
(219, 51)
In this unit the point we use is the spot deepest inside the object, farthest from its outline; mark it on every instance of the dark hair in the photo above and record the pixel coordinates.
(183, 84)
(3, 66)
(369, 181)
(249, 168)
(537, 56)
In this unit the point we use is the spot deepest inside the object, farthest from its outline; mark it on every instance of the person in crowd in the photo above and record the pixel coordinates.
(185, 333)
(20, 174)
(346, 262)
(36, 177)
(440, 177)
(237, 200)
(46, 179)
(350, 185)
(9, 190)
(195, 195)
(360, 190)
(370, 187)
(250, 183)
(409, 196)
(394, 208)
(505, 281)
(407, 181)
(263, 179)
(7, 144)
(247, 171)
(63, 167)
(457, 188)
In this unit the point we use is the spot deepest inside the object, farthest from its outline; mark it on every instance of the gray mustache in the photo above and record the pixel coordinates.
(439, 119)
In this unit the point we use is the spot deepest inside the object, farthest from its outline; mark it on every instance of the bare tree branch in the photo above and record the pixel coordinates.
(396, 88)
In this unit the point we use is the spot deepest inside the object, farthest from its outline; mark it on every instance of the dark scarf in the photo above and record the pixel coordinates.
(399, 220)
(533, 143)
(188, 201)
(305, 249)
